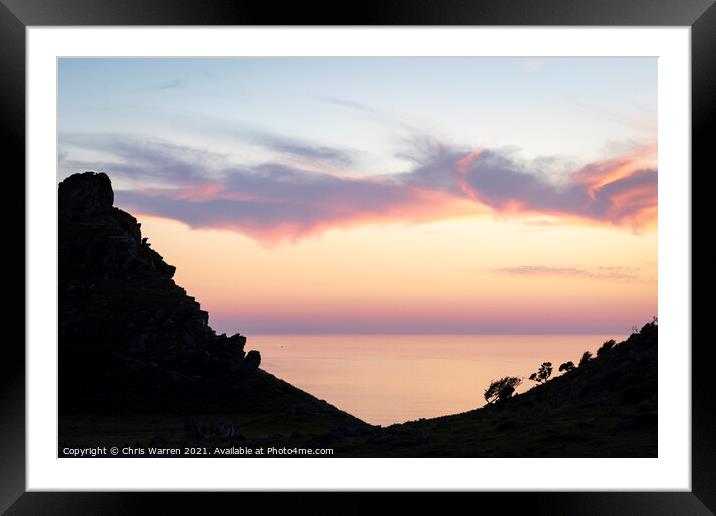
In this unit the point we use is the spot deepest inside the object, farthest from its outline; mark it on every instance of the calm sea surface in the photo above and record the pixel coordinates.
(385, 379)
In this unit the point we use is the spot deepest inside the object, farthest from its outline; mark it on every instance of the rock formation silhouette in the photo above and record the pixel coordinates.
(130, 338)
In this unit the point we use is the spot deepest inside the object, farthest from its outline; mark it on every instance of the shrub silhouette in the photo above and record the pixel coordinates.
(502, 389)
(543, 373)
(650, 327)
(567, 367)
(606, 347)
(586, 357)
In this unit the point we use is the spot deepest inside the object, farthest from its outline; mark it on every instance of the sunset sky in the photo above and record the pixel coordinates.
(384, 195)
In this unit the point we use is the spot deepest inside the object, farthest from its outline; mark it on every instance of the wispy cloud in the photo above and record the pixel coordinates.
(640, 119)
(612, 273)
(350, 104)
(136, 159)
(298, 148)
(173, 84)
(388, 119)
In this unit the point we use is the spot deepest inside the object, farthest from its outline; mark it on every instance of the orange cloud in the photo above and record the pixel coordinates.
(620, 191)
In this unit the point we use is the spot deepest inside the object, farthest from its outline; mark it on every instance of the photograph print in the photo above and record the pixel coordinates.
(357, 257)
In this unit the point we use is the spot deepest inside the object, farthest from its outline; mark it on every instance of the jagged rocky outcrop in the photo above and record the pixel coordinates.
(130, 338)
(117, 296)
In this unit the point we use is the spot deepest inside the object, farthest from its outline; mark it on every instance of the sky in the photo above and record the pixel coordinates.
(383, 195)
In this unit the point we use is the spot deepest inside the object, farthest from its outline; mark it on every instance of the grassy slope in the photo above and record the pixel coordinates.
(265, 410)
(606, 408)
(270, 412)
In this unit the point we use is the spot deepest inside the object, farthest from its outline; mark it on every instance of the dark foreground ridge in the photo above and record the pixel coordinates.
(140, 367)
(132, 342)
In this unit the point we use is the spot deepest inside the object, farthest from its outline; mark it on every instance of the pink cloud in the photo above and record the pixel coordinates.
(273, 202)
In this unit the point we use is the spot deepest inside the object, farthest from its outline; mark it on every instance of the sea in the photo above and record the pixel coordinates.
(386, 379)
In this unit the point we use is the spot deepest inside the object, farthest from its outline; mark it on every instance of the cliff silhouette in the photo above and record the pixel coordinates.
(132, 341)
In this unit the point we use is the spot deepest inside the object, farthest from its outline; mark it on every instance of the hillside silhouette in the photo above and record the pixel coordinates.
(606, 407)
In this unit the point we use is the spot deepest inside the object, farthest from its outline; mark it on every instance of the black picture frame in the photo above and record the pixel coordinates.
(16, 15)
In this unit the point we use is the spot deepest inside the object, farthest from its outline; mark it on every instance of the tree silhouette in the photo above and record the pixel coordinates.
(606, 347)
(543, 373)
(567, 367)
(586, 357)
(502, 389)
